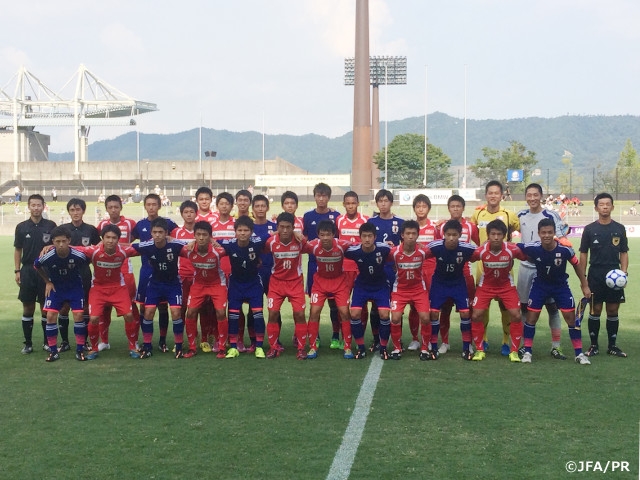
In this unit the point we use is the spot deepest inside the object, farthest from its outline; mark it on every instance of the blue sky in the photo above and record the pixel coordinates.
(234, 63)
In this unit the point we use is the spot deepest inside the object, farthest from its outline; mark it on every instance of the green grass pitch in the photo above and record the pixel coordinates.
(284, 419)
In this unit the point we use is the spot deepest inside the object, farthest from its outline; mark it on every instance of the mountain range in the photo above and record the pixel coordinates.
(592, 140)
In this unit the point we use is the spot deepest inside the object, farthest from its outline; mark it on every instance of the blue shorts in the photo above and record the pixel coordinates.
(55, 300)
(250, 292)
(390, 273)
(143, 280)
(541, 292)
(157, 293)
(378, 295)
(443, 291)
(265, 276)
(312, 268)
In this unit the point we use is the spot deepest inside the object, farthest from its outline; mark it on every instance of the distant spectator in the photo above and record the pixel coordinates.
(54, 194)
(157, 190)
(101, 198)
(17, 193)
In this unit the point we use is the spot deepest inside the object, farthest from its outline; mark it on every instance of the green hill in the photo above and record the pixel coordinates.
(593, 141)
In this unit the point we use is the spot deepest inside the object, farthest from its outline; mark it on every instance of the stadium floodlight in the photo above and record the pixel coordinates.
(385, 70)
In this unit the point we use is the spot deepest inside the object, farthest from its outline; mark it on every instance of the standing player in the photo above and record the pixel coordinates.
(387, 231)
(371, 285)
(606, 241)
(448, 283)
(204, 197)
(493, 211)
(108, 288)
(142, 231)
(243, 202)
(289, 203)
(82, 235)
(410, 287)
(209, 281)
(30, 237)
(113, 206)
(551, 259)
(244, 283)
(188, 211)
(61, 269)
(163, 285)
(311, 220)
(329, 282)
(455, 205)
(529, 220)
(286, 282)
(428, 233)
(496, 283)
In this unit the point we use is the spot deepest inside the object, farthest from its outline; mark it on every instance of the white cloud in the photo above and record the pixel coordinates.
(14, 57)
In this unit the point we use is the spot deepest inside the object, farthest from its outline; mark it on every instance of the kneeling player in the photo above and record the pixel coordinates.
(371, 285)
(449, 283)
(60, 269)
(209, 281)
(496, 283)
(551, 260)
(329, 281)
(410, 286)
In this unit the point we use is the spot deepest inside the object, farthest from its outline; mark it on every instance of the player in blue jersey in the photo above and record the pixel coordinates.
(387, 231)
(529, 219)
(163, 285)
(61, 269)
(449, 283)
(245, 284)
(372, 285)
(310, 222)
(142, 231)
(550, 259)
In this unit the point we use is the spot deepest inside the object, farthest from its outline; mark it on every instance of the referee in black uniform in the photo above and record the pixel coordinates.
(606, 240)
(30, 237)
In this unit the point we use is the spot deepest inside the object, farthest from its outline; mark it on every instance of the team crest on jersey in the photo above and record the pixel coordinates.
(395, 228)
(252, 256)
(615, 241)
(86, 241)
(170, 257)
(46, 237)
(557, 262)
(459, 260)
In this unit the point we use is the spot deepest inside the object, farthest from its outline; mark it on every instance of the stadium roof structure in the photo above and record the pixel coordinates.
(90, 102)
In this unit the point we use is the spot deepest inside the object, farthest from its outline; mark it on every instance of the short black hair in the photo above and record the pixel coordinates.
(497, 225)
(160, 222)
(409, 224)
(77, 202)
(288, 194)
(259, 198)
(36, 196)
(244, 193)
(113, 198)
(285, 217)
(456, 198)
(205, 190)
(202, 225)
(226, 195)
(453, 225)
(243, 221)
(493, 183)
(349, 194)
(600, 196)
(421, 198)
(60, 231)
(326, 226)
(367, 227)
(153, 196)
(546, 222)
(110, 228)
(384, 193)
(537, 186)
(188, 204)
(322, 189)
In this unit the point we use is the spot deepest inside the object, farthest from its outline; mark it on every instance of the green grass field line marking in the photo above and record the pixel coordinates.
(346, 454)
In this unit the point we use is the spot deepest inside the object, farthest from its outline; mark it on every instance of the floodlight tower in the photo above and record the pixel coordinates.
(384, 70)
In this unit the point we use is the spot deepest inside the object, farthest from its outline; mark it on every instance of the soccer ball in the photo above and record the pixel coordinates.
(616, 279)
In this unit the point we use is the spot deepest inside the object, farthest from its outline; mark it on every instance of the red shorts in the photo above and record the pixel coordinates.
(417, 298)
(337, 288)
(279, 290)
(198, 294)
(130, 282)
(350, 277)
(428, 269)
(116, 296)
(508, 295)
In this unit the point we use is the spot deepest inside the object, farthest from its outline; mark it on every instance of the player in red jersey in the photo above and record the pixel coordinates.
(107, 287)
(286, 282)
(428, 233)
(289, 202)
(204, 197)
(113, 206)
(329, 281)
(348, 229)
(209, 282)
(470, 234)
(410, 287)
(188, 211)
(496, 283)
